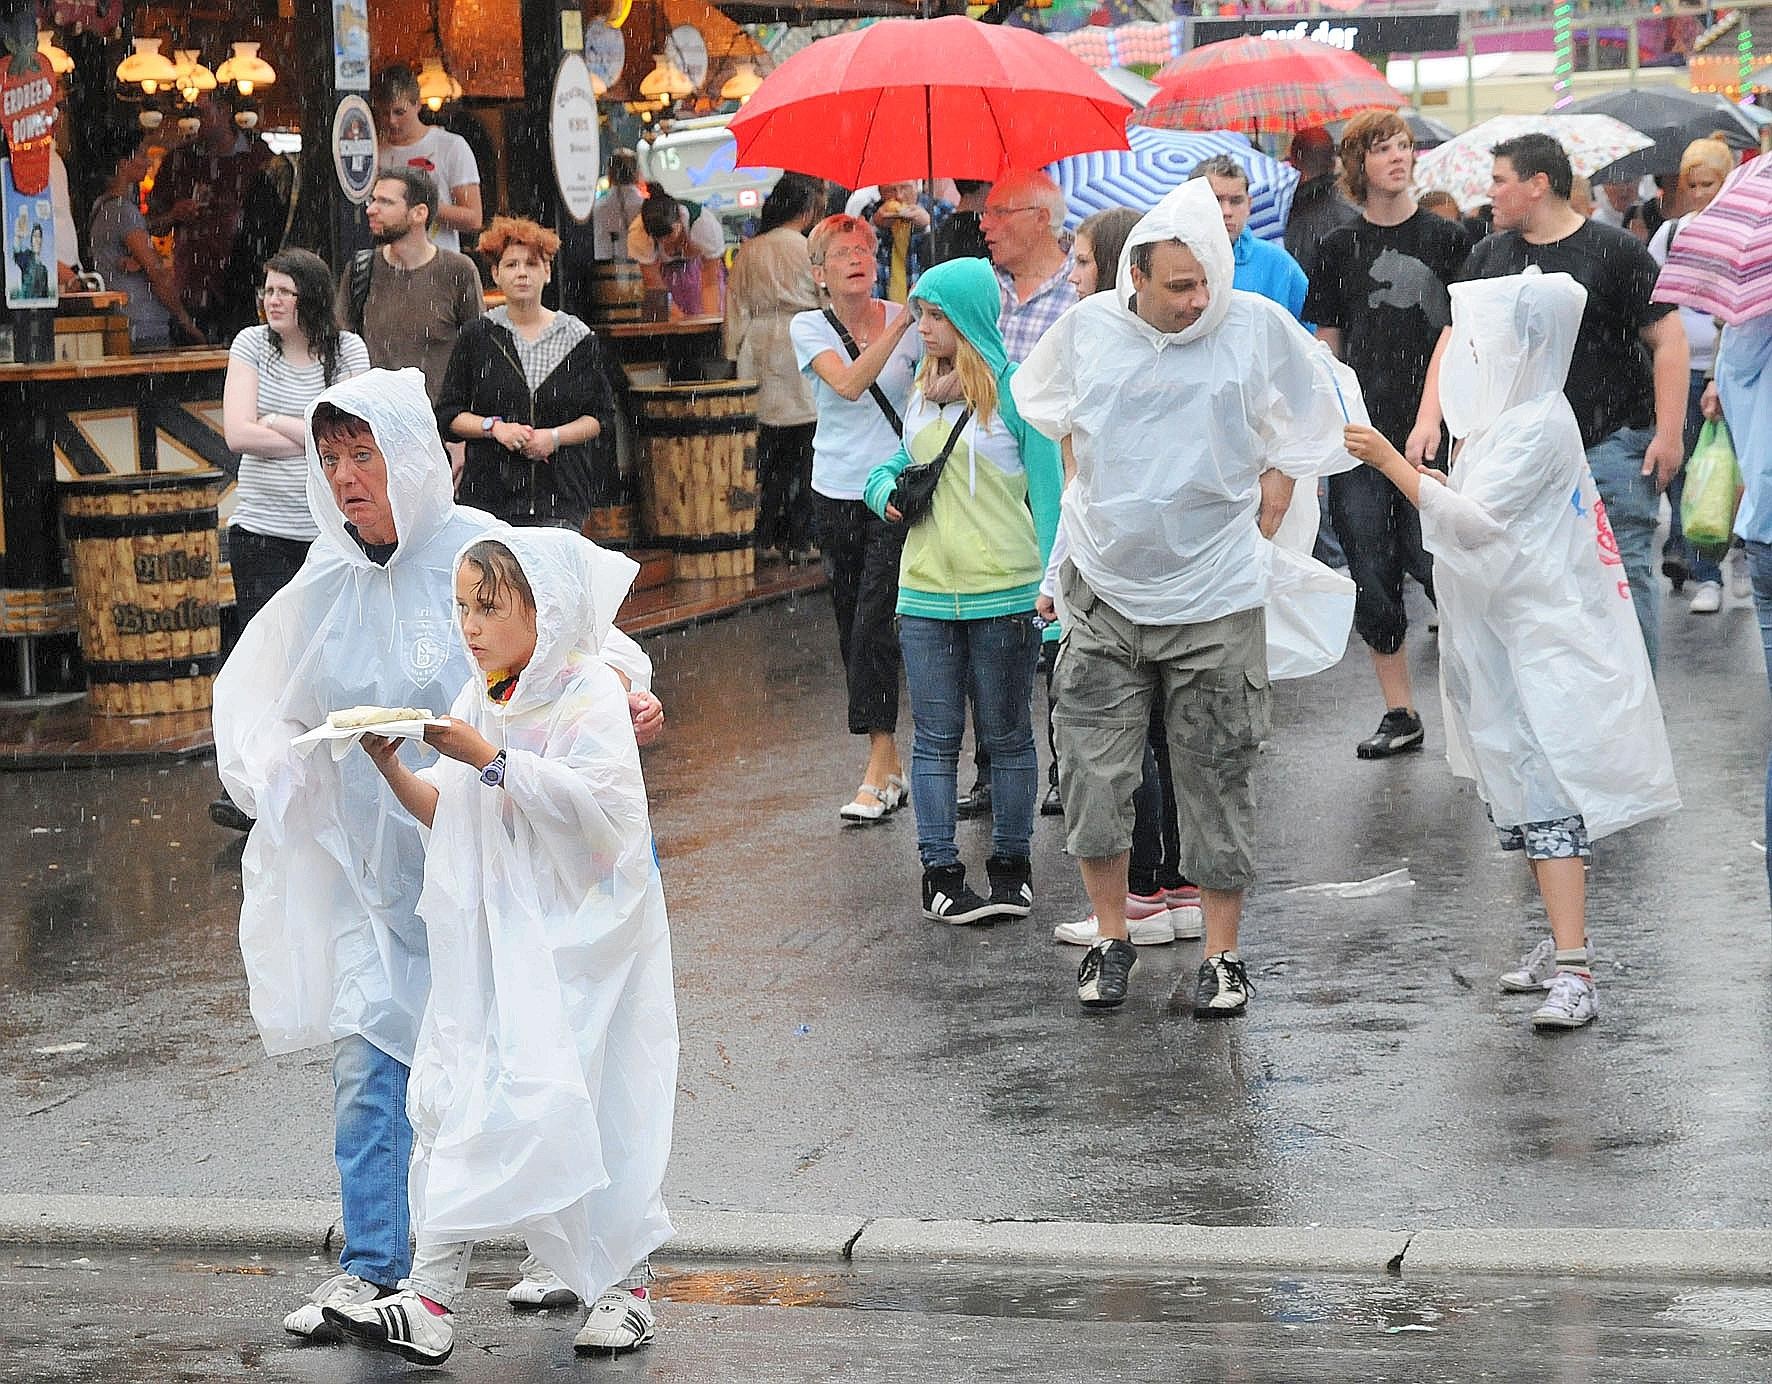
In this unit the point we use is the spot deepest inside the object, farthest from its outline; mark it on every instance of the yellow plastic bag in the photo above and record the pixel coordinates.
(1713, 485)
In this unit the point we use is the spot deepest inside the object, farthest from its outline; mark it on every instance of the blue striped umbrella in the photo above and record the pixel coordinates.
(1159, 162)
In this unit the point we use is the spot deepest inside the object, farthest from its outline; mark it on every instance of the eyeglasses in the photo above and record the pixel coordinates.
(998, 213)
(266, 294)
(843, 252)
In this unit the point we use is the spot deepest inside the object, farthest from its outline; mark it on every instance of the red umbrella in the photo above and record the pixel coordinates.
(913, 98)
(1274, 85)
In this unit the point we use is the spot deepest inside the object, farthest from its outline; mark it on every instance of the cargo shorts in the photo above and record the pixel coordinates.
(1212, 677)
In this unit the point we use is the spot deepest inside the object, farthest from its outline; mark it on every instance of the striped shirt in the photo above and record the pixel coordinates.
(272, 494)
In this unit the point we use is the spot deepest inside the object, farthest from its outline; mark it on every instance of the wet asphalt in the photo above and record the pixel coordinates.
(186, 1317)
(841, 1054)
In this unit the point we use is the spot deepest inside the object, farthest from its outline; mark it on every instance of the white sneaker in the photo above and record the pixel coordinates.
(1534, 971)
(400, 1324)
(1707, 599)
(1149, 923)
(1572, 1002)
(1741, 580)
(341, 1290)
(620, 1321)
(1185, 913)
(540, 1287)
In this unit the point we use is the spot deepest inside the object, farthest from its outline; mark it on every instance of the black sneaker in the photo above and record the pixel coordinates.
(1012, 885)
(1101, 979)
(224, 813)
(947, 899)
(977, 803)
(1674, 568)
(1223, 989)
(1052, 805)
(1398, 733)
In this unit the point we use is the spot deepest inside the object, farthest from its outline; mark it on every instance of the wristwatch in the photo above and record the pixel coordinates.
(488, 424)
(493, 775)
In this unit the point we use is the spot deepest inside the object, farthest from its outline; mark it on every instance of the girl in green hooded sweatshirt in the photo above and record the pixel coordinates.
(967, 585)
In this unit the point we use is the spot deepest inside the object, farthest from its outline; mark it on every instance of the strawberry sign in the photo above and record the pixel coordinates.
(27, 109)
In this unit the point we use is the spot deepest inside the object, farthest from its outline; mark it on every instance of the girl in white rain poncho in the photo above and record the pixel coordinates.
(1550, 705)
(543, 1086)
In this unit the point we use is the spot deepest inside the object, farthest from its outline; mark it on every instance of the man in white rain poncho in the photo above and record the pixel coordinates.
(1185, 415)
(547, 1061)
(1550, 702)
(334, 951)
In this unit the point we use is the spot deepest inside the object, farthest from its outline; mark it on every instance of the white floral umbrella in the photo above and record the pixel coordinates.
(1462, 166)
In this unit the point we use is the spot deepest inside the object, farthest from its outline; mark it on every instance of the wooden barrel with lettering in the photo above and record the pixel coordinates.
(147, 580)
(697, 463)
(615, 291)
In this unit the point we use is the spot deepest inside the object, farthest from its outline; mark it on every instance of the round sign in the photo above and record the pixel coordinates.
(606, 50)
(689, 50)
(353, 148)
(573, 130)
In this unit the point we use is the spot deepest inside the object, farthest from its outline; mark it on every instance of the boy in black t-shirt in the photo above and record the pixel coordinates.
(1628, 381)
(1378, 296)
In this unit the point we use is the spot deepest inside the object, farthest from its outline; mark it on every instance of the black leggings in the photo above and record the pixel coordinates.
(784, 486)
(1156, 837)
(861, 553)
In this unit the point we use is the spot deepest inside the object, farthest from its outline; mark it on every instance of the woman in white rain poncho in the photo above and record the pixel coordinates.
(329, 930)
(1550, 704)
(544, 1082)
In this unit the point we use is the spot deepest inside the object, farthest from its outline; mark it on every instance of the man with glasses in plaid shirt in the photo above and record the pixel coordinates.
(1022, 218)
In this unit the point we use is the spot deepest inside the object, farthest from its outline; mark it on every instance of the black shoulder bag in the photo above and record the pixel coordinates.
(362, 266)
(873, 389)
(915, 491)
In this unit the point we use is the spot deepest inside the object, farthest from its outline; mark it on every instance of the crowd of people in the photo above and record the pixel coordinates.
(1023, 452)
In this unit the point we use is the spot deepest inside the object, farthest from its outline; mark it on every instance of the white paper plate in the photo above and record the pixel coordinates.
(341, 737)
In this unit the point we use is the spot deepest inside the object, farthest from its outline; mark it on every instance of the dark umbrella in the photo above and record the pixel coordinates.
(1673, 118)
(1427, 132)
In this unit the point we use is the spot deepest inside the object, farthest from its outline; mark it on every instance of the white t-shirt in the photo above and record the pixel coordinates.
(449, 159)
(853, 435)
(706, 237)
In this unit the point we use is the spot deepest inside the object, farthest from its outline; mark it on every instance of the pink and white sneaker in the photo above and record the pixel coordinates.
(1185, 915)
(1148, 923)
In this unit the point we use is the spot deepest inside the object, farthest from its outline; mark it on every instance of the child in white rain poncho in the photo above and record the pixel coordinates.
(1550, 704)
(543, 1085)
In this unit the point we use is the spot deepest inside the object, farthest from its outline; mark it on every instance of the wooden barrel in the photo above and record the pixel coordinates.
(615, 292)
(698, 473)
(610, 525)
(147, 570)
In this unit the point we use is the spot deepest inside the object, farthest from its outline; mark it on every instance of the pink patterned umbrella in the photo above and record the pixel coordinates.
(1276, 86)
(1721, 260)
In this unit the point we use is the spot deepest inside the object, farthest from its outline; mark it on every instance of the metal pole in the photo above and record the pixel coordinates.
(1470, 80)
(1630, 43)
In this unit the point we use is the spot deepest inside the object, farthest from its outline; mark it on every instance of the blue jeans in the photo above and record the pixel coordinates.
(996, 659)
(1703, 565)
(1633, 506)
(372, 1141)
(1759, 566)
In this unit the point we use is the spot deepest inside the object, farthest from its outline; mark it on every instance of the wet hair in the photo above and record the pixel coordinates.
(840, 224)
(1533, 154)
(502, 232)
(420, 189)
(624, 168)
(1107, 232)
(392, 83)
(314, 310)
(329, 421)
(793, 195)
(1142, 252)
(1363, 132)
(499, 572)
(1221, 166)
(1435, 198)
(660, 214)
(1312, 151)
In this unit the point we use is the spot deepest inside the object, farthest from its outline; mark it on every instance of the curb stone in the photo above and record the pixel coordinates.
(312, 1226)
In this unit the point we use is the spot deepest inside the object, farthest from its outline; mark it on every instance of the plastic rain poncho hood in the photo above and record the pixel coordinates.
(542, 1092)
(1550, 703)
(331, 873)
(1171, 432)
